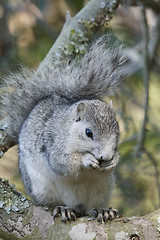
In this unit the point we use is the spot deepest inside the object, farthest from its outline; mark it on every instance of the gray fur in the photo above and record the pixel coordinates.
(49, 114)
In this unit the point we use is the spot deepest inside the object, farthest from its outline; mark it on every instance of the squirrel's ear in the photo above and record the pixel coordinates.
(80, 111)
(111, 104)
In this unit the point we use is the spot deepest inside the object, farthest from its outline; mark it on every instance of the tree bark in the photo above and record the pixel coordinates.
(19, 219)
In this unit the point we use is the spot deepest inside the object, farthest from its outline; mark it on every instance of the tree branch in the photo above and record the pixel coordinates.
(154, 162)
(145, 37)
(134, 53)
(146, 58)
(77, 31)
(155, 39)
(19, 219)
(154, 4)
(5, 142)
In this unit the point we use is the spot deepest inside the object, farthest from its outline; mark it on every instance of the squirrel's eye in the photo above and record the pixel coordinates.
(89, 133)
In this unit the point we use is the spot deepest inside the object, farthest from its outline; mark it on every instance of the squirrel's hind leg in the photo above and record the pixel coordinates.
(103, 215)
(66, 213)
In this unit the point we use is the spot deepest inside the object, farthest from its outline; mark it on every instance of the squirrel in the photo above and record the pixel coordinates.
(67, 135)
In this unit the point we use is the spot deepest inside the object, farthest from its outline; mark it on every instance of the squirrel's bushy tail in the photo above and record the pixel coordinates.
(98, 73)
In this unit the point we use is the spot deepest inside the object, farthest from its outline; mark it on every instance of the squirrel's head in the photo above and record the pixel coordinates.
(94, 130)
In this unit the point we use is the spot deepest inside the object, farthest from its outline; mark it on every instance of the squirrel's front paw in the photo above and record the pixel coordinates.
(66, 213)
(103, 215)
(89, 160)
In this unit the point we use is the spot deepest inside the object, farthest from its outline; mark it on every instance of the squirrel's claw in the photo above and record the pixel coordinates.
(103, 215)
(66, 213)
(89, 161)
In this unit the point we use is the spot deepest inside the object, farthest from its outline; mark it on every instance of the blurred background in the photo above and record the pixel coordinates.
(28, 29)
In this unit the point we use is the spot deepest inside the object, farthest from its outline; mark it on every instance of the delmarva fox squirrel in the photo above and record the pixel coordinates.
(67, 135)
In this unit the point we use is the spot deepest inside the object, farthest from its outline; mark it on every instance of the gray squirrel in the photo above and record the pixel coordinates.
(68, 137)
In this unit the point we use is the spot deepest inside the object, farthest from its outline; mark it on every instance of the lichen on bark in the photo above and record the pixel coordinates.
(10, 199)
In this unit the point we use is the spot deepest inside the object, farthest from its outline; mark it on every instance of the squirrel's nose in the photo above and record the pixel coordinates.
(105, 158)
(101, 159)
